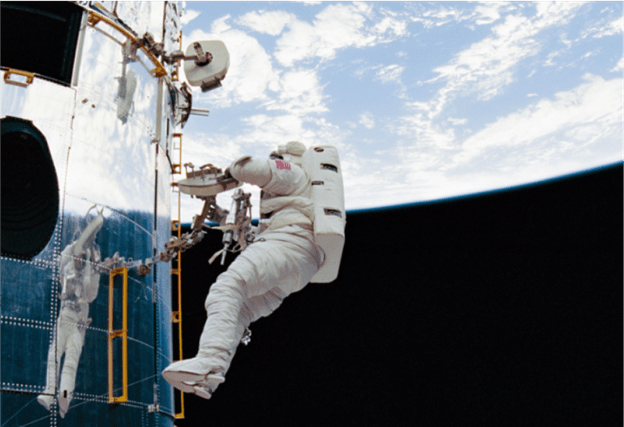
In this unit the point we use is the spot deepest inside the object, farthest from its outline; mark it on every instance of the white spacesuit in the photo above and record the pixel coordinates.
(283, 259)
(80, 282)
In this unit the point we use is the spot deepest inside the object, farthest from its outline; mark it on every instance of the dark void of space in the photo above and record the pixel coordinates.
(500, 309)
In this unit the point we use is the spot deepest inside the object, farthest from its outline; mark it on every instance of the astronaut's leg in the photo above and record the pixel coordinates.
(253, 309)
(57, 348)
(262, 276)
(75, 341)
(259, 279)
(204, 385)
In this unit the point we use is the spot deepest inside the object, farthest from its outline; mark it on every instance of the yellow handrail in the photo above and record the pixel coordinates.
(175, 74)
(123, 333)
(29, 77)
(176, 316)
(95, 18)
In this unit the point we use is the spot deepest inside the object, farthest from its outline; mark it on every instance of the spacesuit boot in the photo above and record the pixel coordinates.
(46, 398)
(200, 375)
(64, 398)
(194, 376)
(74, 343)
(186, 374)
(191, 371)
(203, 373)
(45, 401)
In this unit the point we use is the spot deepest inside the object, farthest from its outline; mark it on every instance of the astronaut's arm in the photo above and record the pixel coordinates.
(92, 278)
(67, 255)
(274, 176)
(255, 172)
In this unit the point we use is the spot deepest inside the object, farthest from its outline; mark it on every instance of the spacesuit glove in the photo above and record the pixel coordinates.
(227, 175)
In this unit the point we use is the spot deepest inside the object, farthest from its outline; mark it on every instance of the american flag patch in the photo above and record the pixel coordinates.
(281, 164)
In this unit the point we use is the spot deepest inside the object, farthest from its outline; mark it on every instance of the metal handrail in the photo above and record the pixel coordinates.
(122, 333)
(95, 18)
(176, 316)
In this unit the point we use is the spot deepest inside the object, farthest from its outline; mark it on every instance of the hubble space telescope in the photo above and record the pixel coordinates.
(92, 107)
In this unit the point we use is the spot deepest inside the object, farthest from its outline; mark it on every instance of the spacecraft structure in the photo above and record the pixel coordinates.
(91, 113)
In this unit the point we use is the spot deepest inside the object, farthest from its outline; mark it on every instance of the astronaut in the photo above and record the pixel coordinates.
(283, 259)
(80, 282)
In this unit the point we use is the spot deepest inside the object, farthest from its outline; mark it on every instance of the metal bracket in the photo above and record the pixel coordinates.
(29, 77)
(201, 58)
(144, 270)
(150, 45)
(184, 104)
(246, 339)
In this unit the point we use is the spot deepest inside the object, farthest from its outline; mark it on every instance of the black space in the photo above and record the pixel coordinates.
(40, 37)
(493, 310)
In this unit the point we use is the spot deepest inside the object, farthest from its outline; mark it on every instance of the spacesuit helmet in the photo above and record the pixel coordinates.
(291, 152)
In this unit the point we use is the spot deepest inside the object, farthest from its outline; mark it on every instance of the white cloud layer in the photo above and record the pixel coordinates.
(575, 130)
(188, 16)
(391, 73)
(336, 27)
(483, 14)
(487, 66)
(271, 23)
(588, 114)
(367, 120)
(604, 29)
(299, 92)
(309, 2)
(614, 27)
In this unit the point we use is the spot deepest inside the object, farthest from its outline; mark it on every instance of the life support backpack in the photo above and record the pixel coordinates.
(322, 165)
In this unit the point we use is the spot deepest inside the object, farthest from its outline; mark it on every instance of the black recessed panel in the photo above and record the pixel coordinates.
(30, 192)
(40, 37)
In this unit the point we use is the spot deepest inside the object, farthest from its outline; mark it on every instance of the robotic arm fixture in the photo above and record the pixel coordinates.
(206, 62)
(205, 65)
(205, 184)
